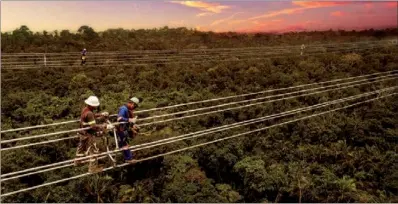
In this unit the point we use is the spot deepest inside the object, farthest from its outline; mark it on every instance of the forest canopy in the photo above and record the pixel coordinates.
(345, 156)
(25, 40)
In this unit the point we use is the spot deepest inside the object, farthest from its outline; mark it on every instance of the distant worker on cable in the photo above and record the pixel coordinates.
(128, 129)
(87, 144)
(84, 52)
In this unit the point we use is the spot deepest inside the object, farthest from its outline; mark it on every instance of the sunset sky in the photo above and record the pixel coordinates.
(218, 16)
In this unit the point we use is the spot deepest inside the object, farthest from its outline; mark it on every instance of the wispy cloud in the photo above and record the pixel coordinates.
(303, 5)
(204, 14)
(216, 22)
(278, 13)
(315, 4)
(209, 8)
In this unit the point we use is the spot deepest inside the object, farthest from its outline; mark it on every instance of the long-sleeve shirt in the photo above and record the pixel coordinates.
(123, 116)
(87, 119)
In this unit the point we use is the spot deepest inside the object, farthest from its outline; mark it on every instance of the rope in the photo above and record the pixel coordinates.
(208, 100)
(207, 113)
(191, 147)
(207, 131)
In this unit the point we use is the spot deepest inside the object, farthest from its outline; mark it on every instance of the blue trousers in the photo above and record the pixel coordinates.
(123, 141)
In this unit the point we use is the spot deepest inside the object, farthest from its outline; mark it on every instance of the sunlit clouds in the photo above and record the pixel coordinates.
(222, 16)
(337, 14)
(208, 8)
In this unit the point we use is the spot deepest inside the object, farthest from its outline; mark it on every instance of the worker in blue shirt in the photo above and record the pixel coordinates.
(129, 129)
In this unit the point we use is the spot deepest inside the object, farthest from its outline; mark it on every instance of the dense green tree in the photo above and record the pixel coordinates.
(346, 156)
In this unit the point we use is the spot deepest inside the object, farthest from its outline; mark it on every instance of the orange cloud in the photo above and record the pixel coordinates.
(208, 7)
(337, 14)
(314, 4)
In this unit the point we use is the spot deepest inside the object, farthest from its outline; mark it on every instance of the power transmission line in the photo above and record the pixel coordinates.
(221, 128)
(146, 62)
(191, 147)
(77, 53)
(209, 100)
(211, 112)
(39, 58)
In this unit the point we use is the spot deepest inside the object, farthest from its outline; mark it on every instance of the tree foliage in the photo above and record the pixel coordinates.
(345, 156)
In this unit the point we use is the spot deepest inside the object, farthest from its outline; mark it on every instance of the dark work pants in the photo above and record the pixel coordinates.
(123, 143)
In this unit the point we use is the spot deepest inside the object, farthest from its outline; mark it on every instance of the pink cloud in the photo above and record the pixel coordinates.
(303, 5)
(337, 14)
(368, 5)
(392, 4)
(280, 12)
(277, 27)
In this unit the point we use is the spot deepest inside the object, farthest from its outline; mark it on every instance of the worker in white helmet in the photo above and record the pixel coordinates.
(128, 129)
(87, 143)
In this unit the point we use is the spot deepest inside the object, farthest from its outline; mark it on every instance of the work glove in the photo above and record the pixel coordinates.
(133, 120)
(110, 127)
(105, 114)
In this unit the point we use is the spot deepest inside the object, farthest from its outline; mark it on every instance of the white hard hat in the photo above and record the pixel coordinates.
(135, 100)
(92, 101)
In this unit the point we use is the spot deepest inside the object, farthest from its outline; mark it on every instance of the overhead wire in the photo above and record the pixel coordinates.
(48, 59)
(84, 158)
(180, 118)
(211, 112)
(191, 147)
(221, 128)
(254, 104)
(196, 50)
(146, 62)
(199, 145)
(106, 63)
(208, 100)
(244, 101)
